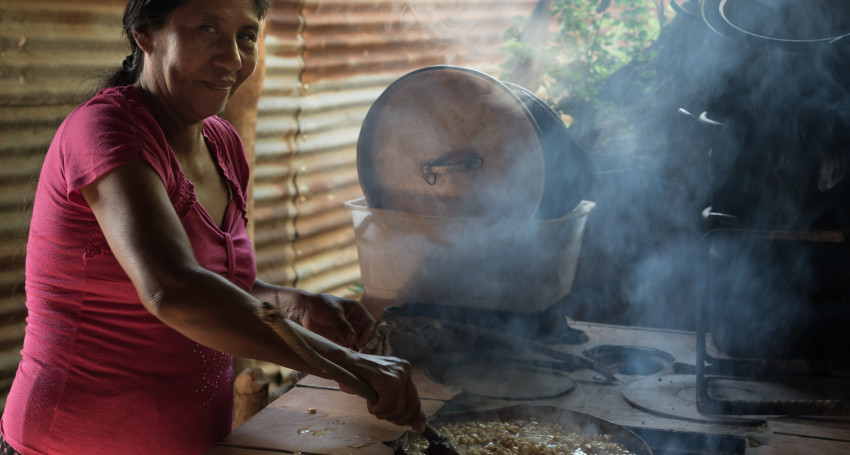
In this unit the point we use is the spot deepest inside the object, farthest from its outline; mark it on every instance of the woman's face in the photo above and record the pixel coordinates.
(204, 51)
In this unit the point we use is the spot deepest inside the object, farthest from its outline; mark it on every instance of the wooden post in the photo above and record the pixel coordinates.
(250, 394)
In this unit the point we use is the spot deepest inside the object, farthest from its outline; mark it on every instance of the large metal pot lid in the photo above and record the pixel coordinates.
(451, 141)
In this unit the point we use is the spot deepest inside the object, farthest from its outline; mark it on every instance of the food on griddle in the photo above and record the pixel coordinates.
(519, 437)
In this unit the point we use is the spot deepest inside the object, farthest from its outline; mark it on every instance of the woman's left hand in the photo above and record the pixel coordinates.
(343, 321)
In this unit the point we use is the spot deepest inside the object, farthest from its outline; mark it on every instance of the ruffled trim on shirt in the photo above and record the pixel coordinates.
(229, 172)
(238, 191)
(185, 198)
(96, 244)
(227, 169)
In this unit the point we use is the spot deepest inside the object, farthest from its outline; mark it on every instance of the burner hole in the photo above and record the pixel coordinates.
(631, 360)
(640, 367)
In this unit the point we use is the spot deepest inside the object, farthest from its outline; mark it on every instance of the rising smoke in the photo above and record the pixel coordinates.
(772, 157)
(775, 160)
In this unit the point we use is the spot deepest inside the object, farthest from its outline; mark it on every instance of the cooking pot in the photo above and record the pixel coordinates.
(571, 420)
(455, 142)
(568, 168)
(791, 24)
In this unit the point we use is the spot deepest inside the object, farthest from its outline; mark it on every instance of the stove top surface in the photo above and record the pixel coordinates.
(655, 395)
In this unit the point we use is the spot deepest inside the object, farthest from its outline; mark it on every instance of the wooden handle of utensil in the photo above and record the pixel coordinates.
(272, 316)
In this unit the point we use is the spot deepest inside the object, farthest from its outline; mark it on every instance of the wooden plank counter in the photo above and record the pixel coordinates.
(316, 417)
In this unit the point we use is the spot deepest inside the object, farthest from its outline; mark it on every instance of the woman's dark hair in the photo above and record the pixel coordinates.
(151, 12)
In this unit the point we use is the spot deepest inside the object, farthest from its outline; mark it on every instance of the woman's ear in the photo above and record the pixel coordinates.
(143, 38)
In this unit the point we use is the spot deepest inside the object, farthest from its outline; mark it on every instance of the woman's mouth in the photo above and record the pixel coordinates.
(219, 86)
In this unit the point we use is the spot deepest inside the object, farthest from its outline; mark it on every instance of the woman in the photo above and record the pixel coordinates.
(141, 282)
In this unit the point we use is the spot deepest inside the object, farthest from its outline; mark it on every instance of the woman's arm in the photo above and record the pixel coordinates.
(149, 242)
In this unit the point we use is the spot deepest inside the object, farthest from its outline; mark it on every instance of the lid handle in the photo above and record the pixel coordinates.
(459, 162)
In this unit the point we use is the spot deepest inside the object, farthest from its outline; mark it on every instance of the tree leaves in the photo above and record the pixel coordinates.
(594, 39)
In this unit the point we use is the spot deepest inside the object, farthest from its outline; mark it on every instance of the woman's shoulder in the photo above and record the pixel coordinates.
(123, 107)
(114, 118)
(122, 97)
(112, 128)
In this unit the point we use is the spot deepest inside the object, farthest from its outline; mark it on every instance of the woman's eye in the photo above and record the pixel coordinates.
(207, 28)
(248, 36)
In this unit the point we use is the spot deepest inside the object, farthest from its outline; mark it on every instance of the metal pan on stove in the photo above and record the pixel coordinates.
(570, 420)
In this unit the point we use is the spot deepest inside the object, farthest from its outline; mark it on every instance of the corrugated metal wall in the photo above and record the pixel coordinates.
(326, 62)
(49, 54)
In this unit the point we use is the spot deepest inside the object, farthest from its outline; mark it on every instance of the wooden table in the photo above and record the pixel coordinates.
(316, 417)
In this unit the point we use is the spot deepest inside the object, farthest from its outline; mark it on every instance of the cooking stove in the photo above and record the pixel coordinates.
(655, 393)
(657, 402)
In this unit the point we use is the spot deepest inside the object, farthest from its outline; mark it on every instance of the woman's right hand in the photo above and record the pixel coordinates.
(391, 377)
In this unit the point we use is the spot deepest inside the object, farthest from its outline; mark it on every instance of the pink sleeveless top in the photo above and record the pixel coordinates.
(100, 374)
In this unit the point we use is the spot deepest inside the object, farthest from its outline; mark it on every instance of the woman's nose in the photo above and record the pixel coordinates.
(227, 55)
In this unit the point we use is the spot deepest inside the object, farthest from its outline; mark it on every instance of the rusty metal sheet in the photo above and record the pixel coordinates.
(49, 54)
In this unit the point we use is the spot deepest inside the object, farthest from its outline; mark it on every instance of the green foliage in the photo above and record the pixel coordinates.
(594, 39)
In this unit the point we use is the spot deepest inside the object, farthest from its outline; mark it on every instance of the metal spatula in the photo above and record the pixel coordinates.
(438, 444)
